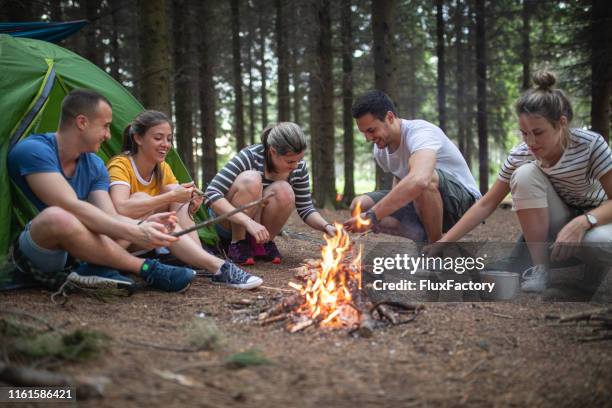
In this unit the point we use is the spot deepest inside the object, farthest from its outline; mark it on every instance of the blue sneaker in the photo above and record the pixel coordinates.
(99, 277)
(166, 277)
(231, 275)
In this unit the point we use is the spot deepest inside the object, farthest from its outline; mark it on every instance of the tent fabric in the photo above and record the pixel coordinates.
(48, 31)
(34, 78)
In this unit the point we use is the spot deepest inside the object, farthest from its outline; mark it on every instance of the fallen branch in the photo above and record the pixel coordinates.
(274, 319)
(301, 325)
(387, 313)
(285, 305)
(224, 216)
(587, 315)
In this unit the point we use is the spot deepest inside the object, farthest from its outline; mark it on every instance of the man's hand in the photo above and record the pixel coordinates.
(356, 224)
(153, 235)
(569, 238)
(168, 219)
(258, 231)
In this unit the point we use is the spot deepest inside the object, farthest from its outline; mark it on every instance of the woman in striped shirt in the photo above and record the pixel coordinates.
(560, 180)
(276, 165)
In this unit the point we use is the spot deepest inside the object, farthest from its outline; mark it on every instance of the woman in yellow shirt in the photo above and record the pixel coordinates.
(143, 183)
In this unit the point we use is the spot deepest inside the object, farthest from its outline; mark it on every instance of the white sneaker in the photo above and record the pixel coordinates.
(535, 279)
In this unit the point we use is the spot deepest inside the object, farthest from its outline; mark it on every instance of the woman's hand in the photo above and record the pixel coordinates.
(195, 204)
(182, 194)
(258, 231)
(330, 230)
(569, 238)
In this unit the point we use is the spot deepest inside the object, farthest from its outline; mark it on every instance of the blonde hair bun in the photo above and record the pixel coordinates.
(544, 80)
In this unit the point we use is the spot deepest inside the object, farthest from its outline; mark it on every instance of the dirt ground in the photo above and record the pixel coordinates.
(476, 354)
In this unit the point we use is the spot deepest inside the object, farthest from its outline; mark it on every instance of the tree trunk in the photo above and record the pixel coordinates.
(347, 102)
(263, 72)
(93, 50)
(441, 64)
(283, 73)
(481, 92)
(115, 63)
(385, 65)
(154, 77)
(601, 67)
(208, 97)
(526, 43)
(183, 84)
(251, 89)
(238, 100)
(322, 109)
(460, 78)
(295, 67)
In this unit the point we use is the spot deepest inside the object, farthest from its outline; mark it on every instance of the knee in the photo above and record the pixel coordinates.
(283, 193)
(527, 176)
(249, 182)
(599, 234)
(428, 191)
(365, 202)
(57, 221)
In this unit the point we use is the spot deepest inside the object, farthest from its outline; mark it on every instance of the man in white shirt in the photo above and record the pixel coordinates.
(432, 184)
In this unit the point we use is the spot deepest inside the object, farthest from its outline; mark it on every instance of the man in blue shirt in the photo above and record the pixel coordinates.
(60, 173)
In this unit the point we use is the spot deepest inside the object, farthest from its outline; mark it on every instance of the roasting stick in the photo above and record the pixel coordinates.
(263, 200)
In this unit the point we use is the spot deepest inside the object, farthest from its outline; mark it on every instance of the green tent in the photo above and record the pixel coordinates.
(34, 78)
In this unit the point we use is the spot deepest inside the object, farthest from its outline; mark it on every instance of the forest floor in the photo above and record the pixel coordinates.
(472, 353)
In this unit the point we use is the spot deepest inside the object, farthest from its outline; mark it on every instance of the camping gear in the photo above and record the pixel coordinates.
(506, 284)
(34, 78)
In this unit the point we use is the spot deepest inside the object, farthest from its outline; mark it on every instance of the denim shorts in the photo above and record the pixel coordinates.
(224, 234)
(456, 200)
(47, 260)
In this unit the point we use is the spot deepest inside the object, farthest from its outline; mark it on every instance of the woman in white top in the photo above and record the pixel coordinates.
(560, 180)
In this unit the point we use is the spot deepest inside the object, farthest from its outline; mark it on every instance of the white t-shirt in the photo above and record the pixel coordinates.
(417, 135)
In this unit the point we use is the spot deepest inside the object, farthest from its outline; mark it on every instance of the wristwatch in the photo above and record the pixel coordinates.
(592, 220)
(372, 216)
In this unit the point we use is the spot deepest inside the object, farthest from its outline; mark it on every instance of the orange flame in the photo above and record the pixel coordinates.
(360, 222)
(328, 297)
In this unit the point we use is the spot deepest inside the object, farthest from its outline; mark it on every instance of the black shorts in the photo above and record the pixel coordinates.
(456, 200)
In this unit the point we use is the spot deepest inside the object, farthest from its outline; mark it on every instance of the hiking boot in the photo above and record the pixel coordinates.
(99, 277)
(166, 277)
(271, 253)
(534, 279)
(231, 275)
(240, 252)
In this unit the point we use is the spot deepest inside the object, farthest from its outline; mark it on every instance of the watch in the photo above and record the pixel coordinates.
(372, 216)
(591, 219)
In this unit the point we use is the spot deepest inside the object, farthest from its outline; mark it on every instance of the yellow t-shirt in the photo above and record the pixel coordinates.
(123, 170)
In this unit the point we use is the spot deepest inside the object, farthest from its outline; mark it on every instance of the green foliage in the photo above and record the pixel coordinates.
(203, 334)
(22, 341)
(245, 359)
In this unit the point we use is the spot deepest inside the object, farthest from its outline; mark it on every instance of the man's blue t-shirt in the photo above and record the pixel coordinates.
(39, 154)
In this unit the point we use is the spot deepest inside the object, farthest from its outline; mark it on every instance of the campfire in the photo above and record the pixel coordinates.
(331, 293)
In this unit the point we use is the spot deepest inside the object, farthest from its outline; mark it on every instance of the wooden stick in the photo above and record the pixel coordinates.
(299, 326)
(386, 312)
(575, 317)
(274, 319)
(224, 216)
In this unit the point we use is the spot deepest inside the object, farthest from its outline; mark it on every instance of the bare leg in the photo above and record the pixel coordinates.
(55, 228)
(534, 224)
(275, 214)
(430, 208)
(246, 188)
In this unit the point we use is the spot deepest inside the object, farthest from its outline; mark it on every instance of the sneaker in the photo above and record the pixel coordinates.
(272, 253)
(166, 277)
(231, 275)
(240, 252)
(99, 277)
(259, 252)
(534, 279)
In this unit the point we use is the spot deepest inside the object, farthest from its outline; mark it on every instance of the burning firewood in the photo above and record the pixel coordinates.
(301, 325)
